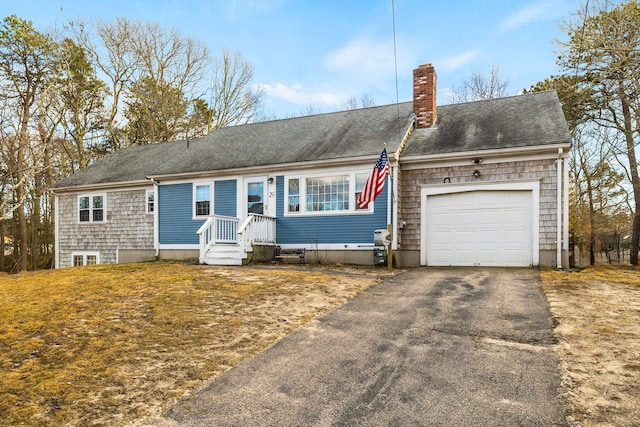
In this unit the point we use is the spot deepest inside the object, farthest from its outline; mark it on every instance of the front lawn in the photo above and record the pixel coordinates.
(105, 345)
(598, 314)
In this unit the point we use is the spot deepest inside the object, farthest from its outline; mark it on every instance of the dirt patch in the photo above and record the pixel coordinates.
(598, 310)
(106, 345)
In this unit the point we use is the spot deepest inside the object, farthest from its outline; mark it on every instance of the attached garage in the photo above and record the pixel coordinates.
(482, 226)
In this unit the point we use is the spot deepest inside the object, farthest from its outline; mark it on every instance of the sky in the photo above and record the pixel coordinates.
(317, 54)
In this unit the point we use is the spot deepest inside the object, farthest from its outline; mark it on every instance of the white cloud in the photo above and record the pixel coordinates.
(454, 62)
(298, 94)
(363, 57)
(526, 15)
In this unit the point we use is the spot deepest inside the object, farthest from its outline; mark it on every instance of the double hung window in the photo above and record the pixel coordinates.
(202, 200)
(150, 201)
(91, 208)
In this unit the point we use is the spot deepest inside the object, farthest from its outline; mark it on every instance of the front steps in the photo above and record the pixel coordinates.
(223, 254)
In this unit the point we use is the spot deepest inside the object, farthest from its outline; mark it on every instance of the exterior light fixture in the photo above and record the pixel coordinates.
(476, 173)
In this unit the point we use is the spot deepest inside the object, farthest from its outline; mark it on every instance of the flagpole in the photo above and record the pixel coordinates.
(389, 224)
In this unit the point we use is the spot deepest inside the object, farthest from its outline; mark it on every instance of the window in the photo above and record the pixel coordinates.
(336, 193)
(294, 195)
(202, 200)
(91, 208)
(328, 193)
(85, 258)
(150, 201)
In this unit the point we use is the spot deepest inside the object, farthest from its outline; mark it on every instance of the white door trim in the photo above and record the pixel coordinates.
(533, 186)
(265, 194)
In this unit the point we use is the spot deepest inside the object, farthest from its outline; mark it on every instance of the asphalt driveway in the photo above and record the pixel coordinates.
(445, 347)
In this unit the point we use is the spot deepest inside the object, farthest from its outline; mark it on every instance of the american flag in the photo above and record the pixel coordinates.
(375, 182)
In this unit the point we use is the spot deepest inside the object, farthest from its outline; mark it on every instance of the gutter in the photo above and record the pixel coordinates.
(101, 186)
(495, 152)
(261, 170)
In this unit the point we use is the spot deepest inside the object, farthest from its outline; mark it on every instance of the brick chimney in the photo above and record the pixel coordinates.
(424, 95)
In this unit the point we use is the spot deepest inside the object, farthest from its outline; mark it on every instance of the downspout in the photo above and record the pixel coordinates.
(389, 198)
(394, 241)
(559, 209)
(565, 235)
(156, 209)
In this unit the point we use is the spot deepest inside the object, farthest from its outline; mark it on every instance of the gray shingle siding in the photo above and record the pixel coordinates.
(128, 226)
(542, 170)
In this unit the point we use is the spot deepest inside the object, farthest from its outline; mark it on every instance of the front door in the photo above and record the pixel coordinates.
(255, 191)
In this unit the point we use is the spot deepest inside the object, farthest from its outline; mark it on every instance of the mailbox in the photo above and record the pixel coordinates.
(382, 237)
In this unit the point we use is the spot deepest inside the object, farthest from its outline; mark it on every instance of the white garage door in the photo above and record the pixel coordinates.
(480, 228)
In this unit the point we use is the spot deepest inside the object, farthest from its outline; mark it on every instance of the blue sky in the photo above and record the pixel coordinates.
(320, 53)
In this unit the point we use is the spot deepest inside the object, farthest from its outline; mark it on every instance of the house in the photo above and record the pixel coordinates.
(481, 183)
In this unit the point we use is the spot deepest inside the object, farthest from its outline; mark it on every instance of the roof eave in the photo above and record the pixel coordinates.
(101, 186)
(294, 166)
(496, 152)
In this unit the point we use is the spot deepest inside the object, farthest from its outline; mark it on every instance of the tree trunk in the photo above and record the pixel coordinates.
(20, 195)
(2, 246)
(20, 176)
(635, 179)
(592, 226)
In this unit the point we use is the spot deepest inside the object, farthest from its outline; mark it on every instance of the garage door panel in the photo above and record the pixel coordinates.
(492, 228)
(463, 237)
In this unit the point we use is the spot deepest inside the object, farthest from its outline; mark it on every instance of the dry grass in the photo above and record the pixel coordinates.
(105, 345)
(598, 310)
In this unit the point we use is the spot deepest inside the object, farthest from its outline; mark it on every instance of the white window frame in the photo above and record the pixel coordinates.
(91, 208)
(85, 255)
(147, 203)
(302, 194)
(193, 202)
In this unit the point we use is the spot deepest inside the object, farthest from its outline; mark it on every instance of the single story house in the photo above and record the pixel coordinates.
(474, 184)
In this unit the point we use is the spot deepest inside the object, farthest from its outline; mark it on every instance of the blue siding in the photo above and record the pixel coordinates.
(224, 197)
(175, 216)
(328, 229)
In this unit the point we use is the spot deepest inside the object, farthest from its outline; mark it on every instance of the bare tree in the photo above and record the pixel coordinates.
(114, 55)
(479, 87)
(233, 100)
(353, 103)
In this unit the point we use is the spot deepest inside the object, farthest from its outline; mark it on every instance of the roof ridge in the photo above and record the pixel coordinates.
(322, 114)
(517, 95)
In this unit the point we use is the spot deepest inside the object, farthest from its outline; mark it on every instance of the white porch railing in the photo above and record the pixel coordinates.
(218, 229)
(255, 230)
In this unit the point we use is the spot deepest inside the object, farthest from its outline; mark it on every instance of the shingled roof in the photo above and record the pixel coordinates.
(332, 136)
(519, 121)
(534, 119)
